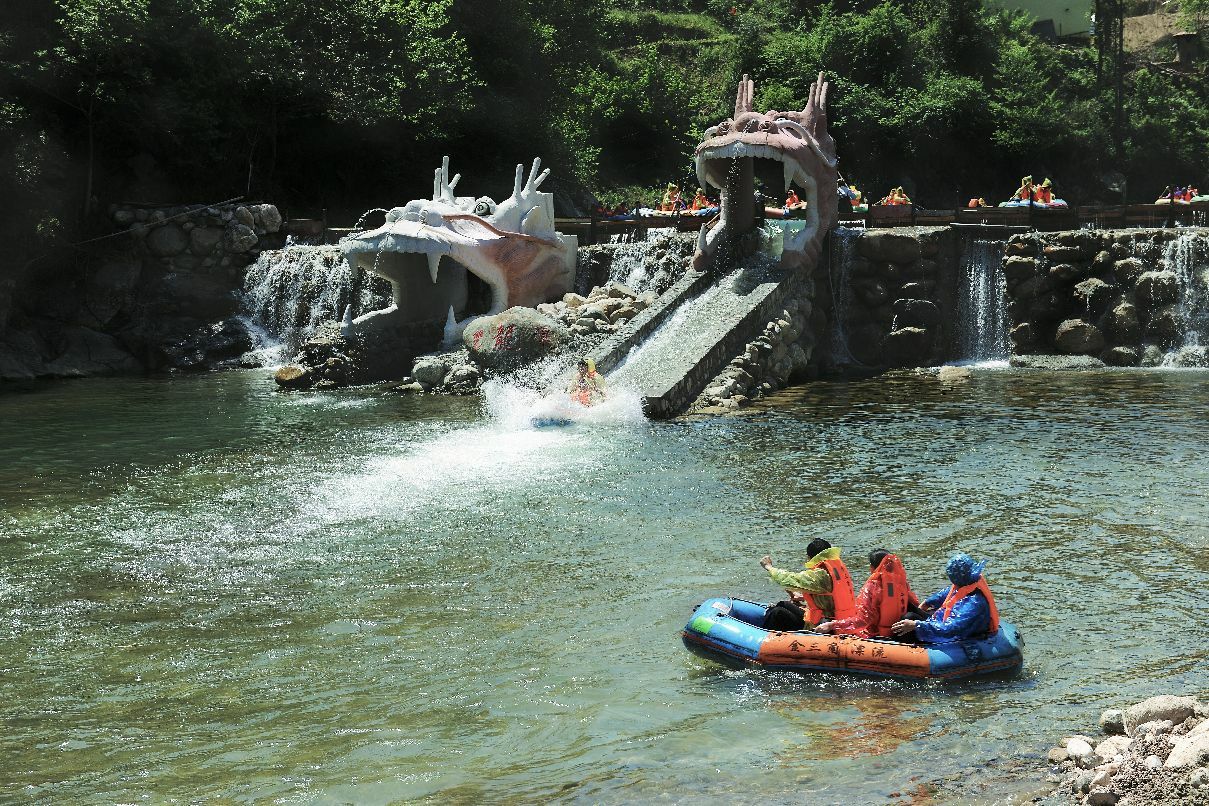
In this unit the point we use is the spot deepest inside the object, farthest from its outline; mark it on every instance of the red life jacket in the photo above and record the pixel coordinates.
(841, 593)
(956, 594)
(896, 593)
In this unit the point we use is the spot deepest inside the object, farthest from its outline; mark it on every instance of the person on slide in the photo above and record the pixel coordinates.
(587, 387)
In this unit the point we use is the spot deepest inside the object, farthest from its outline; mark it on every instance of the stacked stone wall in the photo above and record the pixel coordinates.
(1106, 294)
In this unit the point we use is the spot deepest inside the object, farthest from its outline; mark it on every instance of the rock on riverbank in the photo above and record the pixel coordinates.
(1154, 752)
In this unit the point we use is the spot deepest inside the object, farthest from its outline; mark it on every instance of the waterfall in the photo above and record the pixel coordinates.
(1187, 257)
(982, 303)
(635, 264)
(839, 272)
(289, 291)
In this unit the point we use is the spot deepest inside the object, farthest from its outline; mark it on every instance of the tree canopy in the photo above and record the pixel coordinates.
(346, 105)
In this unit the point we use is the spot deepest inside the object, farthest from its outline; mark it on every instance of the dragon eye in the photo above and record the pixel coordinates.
(724, 127)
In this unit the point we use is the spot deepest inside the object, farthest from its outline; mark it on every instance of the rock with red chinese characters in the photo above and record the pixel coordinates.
(511, 339)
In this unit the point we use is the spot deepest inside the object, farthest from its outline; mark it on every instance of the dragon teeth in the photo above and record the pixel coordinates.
(434, 261)
(790, 170)
(702, 182)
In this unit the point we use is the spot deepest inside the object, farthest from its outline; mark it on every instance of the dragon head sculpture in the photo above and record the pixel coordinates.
(781, 149)
(462, 257)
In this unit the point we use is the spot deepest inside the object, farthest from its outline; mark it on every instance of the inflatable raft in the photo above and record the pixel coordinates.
(728, 627)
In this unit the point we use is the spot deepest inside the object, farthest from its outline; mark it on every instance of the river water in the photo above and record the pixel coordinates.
(214, 591)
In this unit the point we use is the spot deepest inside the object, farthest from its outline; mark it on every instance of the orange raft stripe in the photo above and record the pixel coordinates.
(858, 654)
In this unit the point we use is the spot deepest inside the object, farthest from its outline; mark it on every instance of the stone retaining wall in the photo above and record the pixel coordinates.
(165, 297)
(1113, 294)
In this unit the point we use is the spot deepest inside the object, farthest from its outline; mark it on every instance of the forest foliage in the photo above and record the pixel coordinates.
(348, 104)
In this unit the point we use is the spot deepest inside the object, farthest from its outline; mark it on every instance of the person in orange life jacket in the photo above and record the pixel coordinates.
(884, 600)
(824, 588)
(587, 387)
(965, 609)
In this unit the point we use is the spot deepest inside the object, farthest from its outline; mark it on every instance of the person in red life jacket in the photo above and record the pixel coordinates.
(885, 599)
(599, 211)
(965, 609)
(824, 587)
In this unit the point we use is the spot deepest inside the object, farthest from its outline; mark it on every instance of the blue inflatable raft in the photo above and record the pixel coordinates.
(728, 628)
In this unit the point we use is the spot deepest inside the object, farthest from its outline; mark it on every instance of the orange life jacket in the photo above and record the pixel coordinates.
(584, 389)
(956, 594)
(896, 592)
(841, 593)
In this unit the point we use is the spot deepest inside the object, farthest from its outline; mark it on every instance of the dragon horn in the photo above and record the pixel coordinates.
(743, 98)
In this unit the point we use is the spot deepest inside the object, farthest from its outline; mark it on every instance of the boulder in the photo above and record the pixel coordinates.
(1024, 337)
(1157, 288)
(1016, 269)
(907, 347)
(915, 313)
(573, 300)
(292, 376)
(1048, 307)
(1121, 357)
(1095, 295)
(886, 245)
(1152, 356)
(245, 216)
(1113, 746)
(1081, 751)
(1075, 336)
(513, 338)
(1065, 254)
(1128, 270)
(430, 370)
(1068, 272)
(1057, 755)
(463, 374)
(168, 240)
(1156, 727)
(1032, 287)
(1164, 706)
(267, 216)
(202, 240)
(1021, 245)
(619, 290)
(83, 351)
(1166, 325)
(1122, 325)
(240, 238)
(1102, 797)
(1189, 751)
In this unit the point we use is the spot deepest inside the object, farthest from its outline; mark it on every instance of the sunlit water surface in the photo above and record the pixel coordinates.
(211, 590)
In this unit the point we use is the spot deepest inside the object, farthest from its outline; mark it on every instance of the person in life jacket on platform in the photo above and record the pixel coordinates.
(883, 601)
(1025, 191)
(824, 588)
(1043, 193)
(587, 387)
(965, 609)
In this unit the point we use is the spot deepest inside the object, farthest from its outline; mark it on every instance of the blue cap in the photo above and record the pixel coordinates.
(962, 570)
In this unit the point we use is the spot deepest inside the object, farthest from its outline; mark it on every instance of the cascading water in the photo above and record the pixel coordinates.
(982, 303)
(635, 263)
(1187, 257)
(289, 291)
(839, 271)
